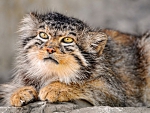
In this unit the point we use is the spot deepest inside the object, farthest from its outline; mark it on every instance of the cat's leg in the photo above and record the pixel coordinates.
(58, 91)
(61, 92)
(23, 96)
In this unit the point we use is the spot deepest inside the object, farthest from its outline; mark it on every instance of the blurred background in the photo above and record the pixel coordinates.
(131, 16)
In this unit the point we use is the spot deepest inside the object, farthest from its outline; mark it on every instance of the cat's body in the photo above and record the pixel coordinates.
(61, 59)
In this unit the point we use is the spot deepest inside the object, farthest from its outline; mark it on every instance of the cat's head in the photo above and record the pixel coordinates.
(56, 46)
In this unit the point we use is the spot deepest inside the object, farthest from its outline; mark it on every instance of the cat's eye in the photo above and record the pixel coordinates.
(43, 35)
(67, 40)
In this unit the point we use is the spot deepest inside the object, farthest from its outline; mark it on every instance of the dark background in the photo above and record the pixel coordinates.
(131, 16)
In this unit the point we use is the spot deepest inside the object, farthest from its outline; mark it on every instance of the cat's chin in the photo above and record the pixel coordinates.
(49, 68)
(51, 60)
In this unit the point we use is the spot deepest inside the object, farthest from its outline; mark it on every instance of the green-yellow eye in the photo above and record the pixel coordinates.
(43, 35)
(67, 40)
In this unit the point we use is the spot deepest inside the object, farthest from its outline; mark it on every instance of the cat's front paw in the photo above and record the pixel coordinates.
(55, 92)
(23, 96)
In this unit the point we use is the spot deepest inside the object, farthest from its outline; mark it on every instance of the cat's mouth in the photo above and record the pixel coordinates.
(51, 59)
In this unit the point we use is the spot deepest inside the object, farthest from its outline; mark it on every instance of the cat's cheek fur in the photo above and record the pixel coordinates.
(66, 70)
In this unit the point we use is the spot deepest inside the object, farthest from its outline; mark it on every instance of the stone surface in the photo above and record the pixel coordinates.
(44, 107)
(40, 107)
(107, 109)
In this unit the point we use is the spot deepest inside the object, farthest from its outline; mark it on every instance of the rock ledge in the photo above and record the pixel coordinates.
(45, 107)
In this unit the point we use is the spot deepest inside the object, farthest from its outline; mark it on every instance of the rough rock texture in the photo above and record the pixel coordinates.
(40, 107)
(44, 107)
(107, 109)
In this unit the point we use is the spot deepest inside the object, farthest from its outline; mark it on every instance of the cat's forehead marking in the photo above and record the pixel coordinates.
(57, 32)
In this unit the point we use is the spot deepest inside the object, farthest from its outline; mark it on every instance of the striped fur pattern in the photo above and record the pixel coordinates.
(62, 54)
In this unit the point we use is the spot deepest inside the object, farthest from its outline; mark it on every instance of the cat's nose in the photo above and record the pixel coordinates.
(50, 50)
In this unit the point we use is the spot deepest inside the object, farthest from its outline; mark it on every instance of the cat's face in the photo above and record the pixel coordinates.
(58, 46)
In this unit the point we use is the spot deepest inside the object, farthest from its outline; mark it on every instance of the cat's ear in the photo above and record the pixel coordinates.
(34, 16)
(28, 23)
(96, 42)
